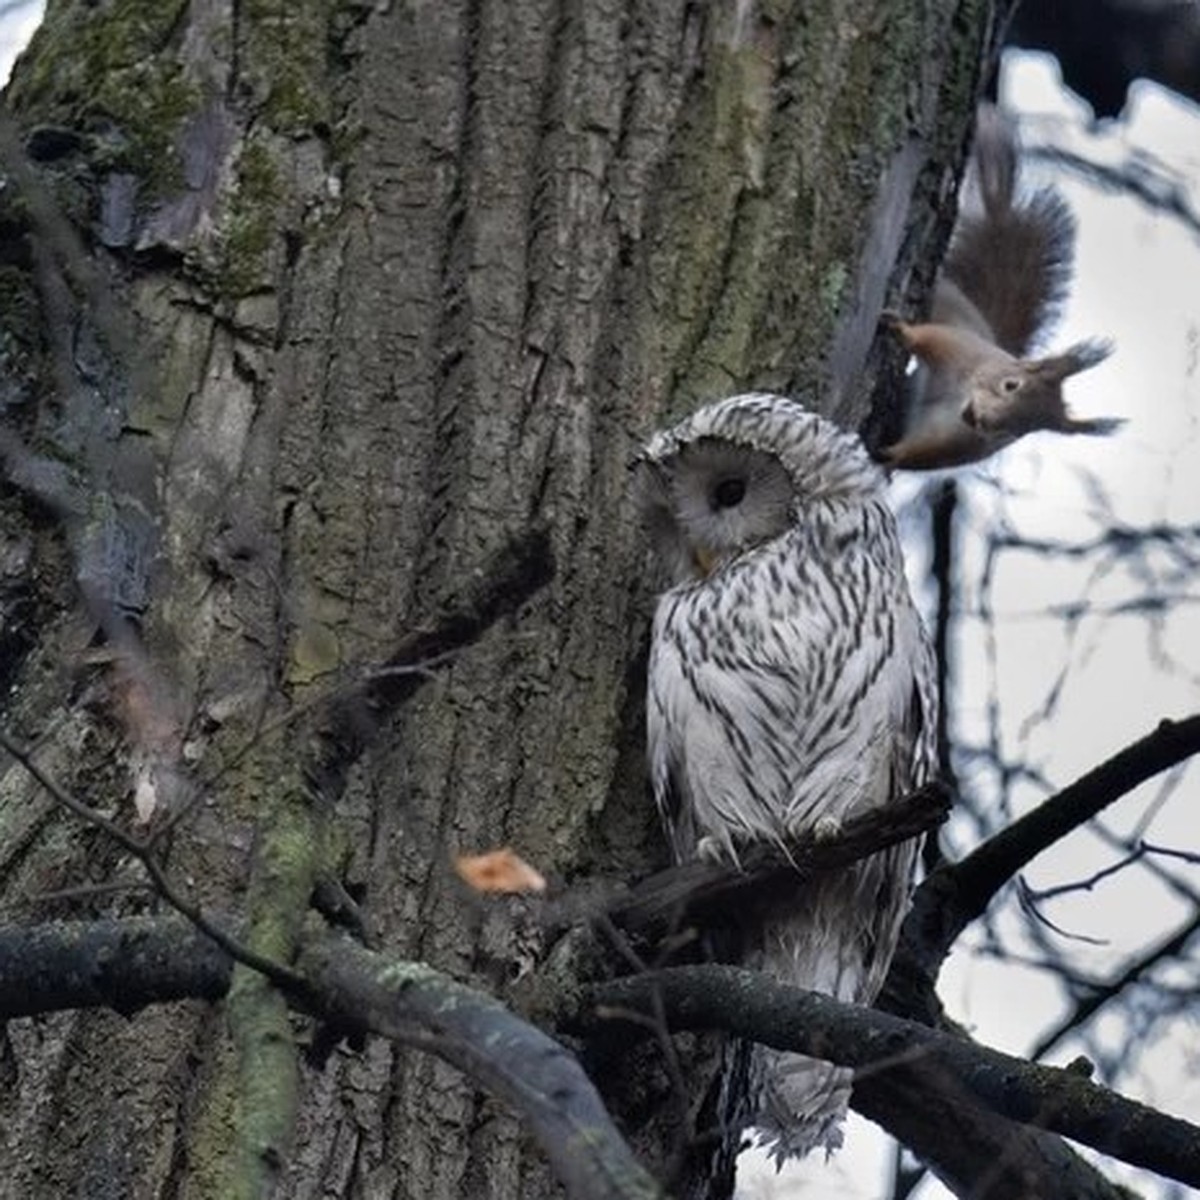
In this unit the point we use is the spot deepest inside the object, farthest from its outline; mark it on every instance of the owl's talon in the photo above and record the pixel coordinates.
(827, 829)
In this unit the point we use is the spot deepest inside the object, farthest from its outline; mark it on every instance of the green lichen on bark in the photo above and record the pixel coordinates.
(214, 1128)
(283, 48)
(715, 170)
(265, 1060)
(252, 225)
(110, 71)
(267, 1086)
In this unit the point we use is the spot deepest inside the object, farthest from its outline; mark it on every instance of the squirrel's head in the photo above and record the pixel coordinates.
(1017, 396)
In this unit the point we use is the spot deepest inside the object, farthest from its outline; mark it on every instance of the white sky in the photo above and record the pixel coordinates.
(1137, 281)
(16, 28)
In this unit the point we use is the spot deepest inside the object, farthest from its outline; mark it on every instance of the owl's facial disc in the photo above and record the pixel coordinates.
(724, 496)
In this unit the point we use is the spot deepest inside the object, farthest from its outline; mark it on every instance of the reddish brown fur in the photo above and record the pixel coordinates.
(1002, 283)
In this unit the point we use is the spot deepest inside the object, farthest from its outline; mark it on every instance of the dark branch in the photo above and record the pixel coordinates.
(122, 965)
(751, 1006)
(714, 893)
(954, 896)
(412, 1003)
(973, 1150)
(518, 570)
(126, 965)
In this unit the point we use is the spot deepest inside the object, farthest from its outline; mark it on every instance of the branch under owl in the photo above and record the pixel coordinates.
(1064, 1100)
(711, 893)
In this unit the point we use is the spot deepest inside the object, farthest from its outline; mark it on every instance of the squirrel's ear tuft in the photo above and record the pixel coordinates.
(1076, 358)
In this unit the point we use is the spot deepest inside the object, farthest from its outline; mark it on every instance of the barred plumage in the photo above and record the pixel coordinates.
(790, 684)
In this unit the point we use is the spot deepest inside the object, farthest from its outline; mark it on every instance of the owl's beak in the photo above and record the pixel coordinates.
(703, 561)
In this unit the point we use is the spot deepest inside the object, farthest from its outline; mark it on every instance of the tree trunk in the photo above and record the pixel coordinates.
(310, 310)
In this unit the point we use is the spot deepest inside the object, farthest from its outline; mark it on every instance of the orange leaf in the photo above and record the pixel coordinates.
(499, 871)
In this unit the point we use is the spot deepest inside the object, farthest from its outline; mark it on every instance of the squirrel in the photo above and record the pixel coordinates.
(1004, 278)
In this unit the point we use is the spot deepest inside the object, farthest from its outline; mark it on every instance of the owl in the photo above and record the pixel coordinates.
(791, 684)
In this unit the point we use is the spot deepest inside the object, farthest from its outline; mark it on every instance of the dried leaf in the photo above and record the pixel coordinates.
(499, 871)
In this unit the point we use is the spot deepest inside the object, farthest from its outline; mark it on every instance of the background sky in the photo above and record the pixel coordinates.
(18, 20)
(1063, 660)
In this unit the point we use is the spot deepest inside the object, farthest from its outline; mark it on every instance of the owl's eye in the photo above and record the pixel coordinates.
(1009, 385)
(728, 493)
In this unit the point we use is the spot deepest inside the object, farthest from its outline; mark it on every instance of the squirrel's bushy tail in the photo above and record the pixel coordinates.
(1032, 237)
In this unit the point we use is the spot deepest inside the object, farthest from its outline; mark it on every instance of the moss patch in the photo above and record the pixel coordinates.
(284, 50)
(95, 68)
(253, 221)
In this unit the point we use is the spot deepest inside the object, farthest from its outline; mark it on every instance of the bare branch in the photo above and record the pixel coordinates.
(1165, 950)
(1035, 896)
(955, 895)
(1187, 856)
(749, 1005)
(123, 965)
(709, 893)
(126, 965)
(1139, 176)
(274, 971)
(412, 1003)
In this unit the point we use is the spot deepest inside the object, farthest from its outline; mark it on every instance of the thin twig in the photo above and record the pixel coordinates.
(274, 971)
(954, 896)
(1134, 972)
(89, 891)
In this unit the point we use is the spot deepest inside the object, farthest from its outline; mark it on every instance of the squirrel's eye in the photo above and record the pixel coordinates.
(1009, 385)
(728, 493)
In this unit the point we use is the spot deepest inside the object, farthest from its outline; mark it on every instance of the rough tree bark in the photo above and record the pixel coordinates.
(310, 310)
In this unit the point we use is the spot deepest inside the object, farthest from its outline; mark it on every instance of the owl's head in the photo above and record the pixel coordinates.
(739, 473)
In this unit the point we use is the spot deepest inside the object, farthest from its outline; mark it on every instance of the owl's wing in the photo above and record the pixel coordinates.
(868, 724)
(665, 749)
(719, 734)
(918, 760)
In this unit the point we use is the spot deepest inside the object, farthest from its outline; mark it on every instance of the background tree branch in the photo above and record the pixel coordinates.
(119, 964)
(956, 894)
(1061, 1100)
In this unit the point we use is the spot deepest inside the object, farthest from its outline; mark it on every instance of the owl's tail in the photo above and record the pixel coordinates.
(802, 1105)
(840, 942)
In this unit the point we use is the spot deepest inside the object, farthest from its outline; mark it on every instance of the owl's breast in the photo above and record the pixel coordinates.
(776, 688)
